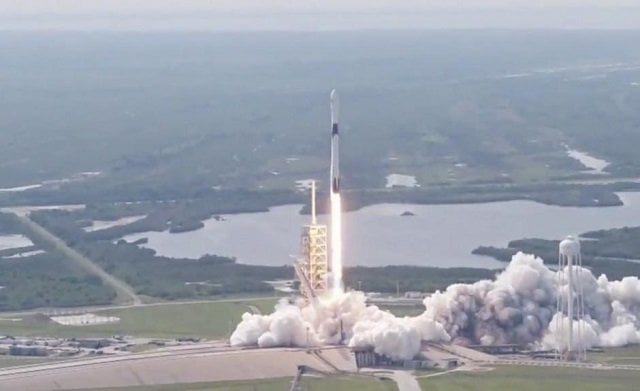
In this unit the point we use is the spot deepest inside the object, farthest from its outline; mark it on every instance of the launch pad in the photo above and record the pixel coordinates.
(312, 264)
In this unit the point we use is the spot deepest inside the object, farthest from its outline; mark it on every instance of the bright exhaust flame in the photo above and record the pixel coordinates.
(336, 243)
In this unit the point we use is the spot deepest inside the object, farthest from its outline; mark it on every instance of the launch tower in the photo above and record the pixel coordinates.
(570, 306)
(312, 264)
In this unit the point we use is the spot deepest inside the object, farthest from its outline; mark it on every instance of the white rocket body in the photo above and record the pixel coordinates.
(335, 149)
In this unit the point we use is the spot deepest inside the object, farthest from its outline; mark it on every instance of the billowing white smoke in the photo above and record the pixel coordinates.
(519, 307)
(398, 338)
(285, 327)
(560, 325)
(336, 319)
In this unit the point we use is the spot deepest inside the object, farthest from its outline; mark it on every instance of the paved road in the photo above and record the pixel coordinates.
(191, 364)
(439, 373)
(77, 310)
(254, 310)
(566, 364)
(125, 293)
(175, 351)
(406, 381)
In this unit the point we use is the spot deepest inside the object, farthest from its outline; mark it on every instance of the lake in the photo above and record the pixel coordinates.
(593, 164)
(438, 235)
(14, 241)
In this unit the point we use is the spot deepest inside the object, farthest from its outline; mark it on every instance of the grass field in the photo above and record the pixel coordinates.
(625, 355)
(13, 361)
(403, 310)
(203, 320)
(342, 383)
(535, 379)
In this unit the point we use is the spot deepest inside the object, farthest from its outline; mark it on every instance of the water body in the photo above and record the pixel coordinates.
(99, 225)
(400, 180)
(578, 72)
(593, 164)
(14, 241)
(19, 189)
(25, 254)
(438, 235)
(53, 182)
(26, 210)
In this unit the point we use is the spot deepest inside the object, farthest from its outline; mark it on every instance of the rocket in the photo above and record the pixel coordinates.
(336, 208)
(335, 151)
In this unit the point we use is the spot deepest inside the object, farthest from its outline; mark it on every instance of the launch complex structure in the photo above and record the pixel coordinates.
(312, 266)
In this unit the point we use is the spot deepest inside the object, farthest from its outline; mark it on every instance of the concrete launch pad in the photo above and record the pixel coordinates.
(175, 367)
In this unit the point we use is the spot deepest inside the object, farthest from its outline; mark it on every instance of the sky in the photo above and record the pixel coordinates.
(316, 14)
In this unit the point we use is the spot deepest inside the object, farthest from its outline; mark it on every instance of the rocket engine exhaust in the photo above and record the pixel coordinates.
(336, 202)
(336, 243)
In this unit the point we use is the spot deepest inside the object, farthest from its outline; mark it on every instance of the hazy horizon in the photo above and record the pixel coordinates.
(327, 15)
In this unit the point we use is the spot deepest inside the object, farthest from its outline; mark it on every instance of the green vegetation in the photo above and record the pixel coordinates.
(612, 252)
(10, 225)
(124, 293)
(14, 361)
(561, 194)
(236, 117)
(46, 279)
(618, 356)
(173, 320)
(403, 310)
(237, 127)
(162, 277)
(157, 277)
(411, 278)
(337, 383)
(533, 379)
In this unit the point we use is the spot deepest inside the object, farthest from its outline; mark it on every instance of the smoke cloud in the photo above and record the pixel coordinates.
(517, 307)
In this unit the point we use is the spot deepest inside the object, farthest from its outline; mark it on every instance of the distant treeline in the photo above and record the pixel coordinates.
(411, 278)
(188, 206)
(549, 193)
(609, 252)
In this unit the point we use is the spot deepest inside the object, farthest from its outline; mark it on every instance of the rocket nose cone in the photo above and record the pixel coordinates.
(335, 106)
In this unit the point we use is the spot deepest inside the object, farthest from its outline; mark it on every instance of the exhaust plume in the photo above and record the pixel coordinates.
(517, 307)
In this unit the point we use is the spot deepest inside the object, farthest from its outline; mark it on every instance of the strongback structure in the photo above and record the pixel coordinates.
(312, 264)
(570, 305)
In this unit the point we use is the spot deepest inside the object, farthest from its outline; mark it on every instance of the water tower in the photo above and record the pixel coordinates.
(570, 344)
